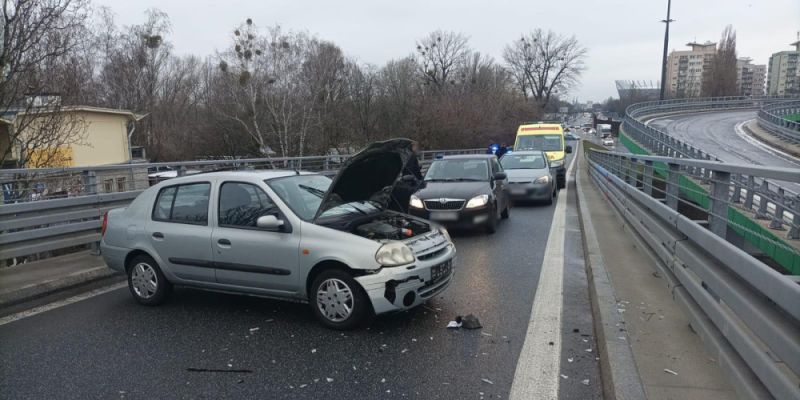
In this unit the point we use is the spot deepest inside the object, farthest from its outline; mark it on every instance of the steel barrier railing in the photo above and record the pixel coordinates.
(59, 209)
(772, 118)
(764, 198)
(753, 310)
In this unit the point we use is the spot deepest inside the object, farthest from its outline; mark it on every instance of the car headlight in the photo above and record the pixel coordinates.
(478, 201)
(392, 254)
(557, 163)
(444, 233)
(544, 179)
(415, 202)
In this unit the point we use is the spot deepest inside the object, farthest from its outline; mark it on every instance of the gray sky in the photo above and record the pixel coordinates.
(624, 37)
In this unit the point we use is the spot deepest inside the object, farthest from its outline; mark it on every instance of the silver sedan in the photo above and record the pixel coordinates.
(285, 234)
(530, 177)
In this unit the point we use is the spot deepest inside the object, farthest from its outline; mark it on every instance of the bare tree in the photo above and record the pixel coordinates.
(545, 63)
(439, 55)
(720, 78)
(35, 33)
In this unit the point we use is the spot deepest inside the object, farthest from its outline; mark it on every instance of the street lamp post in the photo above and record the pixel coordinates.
(664, 57)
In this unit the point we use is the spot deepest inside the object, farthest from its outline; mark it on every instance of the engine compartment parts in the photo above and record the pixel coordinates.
(391, 227)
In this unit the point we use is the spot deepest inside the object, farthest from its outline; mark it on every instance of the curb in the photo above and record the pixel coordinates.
(37, 290)
(618, 369)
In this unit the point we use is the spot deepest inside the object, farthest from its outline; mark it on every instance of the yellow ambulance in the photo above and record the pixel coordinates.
(547, 137)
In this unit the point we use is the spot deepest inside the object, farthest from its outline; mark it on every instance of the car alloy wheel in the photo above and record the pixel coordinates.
(144, 280)
(335, 300)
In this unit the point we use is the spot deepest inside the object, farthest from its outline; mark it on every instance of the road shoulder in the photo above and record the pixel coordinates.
(654, 340)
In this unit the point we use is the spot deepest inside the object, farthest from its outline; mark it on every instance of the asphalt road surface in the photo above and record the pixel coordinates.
(108, 346)
(716, 133)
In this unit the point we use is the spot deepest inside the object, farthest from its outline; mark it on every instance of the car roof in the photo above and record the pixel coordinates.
(469, 156)
(262, 174)
(524, 152)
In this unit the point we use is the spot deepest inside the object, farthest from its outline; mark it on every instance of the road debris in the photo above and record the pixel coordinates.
(669, 371)
(589, 350)
(486, 334)
(585, 382)
(564, 376)
(383, 380)
(487, 381)
(404, 351)
(471, 322)
(313, 351)
(453, 325)
(303, 385)
(254, 329)
(329, 380)
(570, 359)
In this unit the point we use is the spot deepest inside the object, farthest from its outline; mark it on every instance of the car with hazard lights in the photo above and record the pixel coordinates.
(464, 192)
(285, 234)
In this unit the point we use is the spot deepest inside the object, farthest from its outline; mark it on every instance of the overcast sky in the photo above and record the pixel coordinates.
(624, 37)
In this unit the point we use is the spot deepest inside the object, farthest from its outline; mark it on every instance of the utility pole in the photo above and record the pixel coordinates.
(664, 57)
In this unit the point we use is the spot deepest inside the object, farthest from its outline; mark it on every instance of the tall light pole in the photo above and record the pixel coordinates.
(666, 46)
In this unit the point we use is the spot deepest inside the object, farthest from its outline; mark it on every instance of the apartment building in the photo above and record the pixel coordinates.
(685, 69)
(784, 74)
(750, 78)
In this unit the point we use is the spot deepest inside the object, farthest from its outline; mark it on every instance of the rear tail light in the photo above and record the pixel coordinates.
(105, 224)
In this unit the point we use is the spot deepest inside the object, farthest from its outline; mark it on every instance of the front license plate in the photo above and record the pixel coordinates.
(441, 271)
(444, 216)
(518, 191)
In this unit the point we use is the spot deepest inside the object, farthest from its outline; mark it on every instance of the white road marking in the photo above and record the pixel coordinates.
(539, 364)
(61, 303)
(763, 146)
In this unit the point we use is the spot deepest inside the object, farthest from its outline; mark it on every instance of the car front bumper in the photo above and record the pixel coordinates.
(530, 191)
(402, 288)
(465, 218)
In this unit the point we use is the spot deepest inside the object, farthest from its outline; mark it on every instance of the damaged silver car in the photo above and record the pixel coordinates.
(285, 234)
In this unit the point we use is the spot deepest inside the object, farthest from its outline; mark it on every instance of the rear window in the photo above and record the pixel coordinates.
(186, 204)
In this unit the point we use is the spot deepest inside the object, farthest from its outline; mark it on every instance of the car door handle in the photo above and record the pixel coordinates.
(158, 235)
(225, 242)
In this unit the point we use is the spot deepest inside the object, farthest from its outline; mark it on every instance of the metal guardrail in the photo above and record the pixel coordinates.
(764, 198)
(772, 118)
(58, 209)
(748, 313)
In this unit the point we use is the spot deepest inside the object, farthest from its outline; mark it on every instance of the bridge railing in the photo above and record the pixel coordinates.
(54, 210)
(746, 311)
(765, 198)
(772, 118)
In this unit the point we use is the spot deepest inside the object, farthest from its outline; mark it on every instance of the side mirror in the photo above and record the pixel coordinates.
(568, 149)
(499, 176)
(269, 222)
(408, 178)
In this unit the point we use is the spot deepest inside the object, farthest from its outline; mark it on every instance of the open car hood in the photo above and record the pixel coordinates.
(368, 175)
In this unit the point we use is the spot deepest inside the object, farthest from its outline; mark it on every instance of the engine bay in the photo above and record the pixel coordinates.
(391, 227)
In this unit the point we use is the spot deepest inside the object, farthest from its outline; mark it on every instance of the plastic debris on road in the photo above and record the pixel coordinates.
(453, 325)
(254, 329)
(570, 359)
(471, 322)
(313, 351)
(669, 371)
(564, 376)
(329, 380)
(484, 380)
(585, 382)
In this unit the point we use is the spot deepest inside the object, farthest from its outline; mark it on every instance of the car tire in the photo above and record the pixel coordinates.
(552, 197)
(507, 212)
(337, 284)
(146, 282)
(491, 225)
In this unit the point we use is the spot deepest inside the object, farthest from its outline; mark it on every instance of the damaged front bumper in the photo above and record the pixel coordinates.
(401, 288)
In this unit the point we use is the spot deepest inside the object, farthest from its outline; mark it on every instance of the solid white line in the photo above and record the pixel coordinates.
(60, 303)
(763, 146)
(539, 364)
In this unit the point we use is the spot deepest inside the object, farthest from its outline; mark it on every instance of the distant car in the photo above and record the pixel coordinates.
(464, 191)
(529, 176)
(608, 141)
(571, 137)
(285, 234)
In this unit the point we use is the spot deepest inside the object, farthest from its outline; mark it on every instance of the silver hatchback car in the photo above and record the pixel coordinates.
(285, 234)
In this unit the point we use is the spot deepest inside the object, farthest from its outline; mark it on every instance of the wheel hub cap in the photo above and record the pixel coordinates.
(335, 300)
(144, 280)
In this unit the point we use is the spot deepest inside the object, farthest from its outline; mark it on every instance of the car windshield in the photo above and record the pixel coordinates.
(540, 142)
(304, 193)
(523, 161)
(458, 170)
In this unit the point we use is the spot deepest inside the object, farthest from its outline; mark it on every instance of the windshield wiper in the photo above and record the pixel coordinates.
(314, 191)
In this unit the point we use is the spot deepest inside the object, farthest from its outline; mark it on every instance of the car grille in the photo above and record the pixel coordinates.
(433, 254)
(448, 204)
